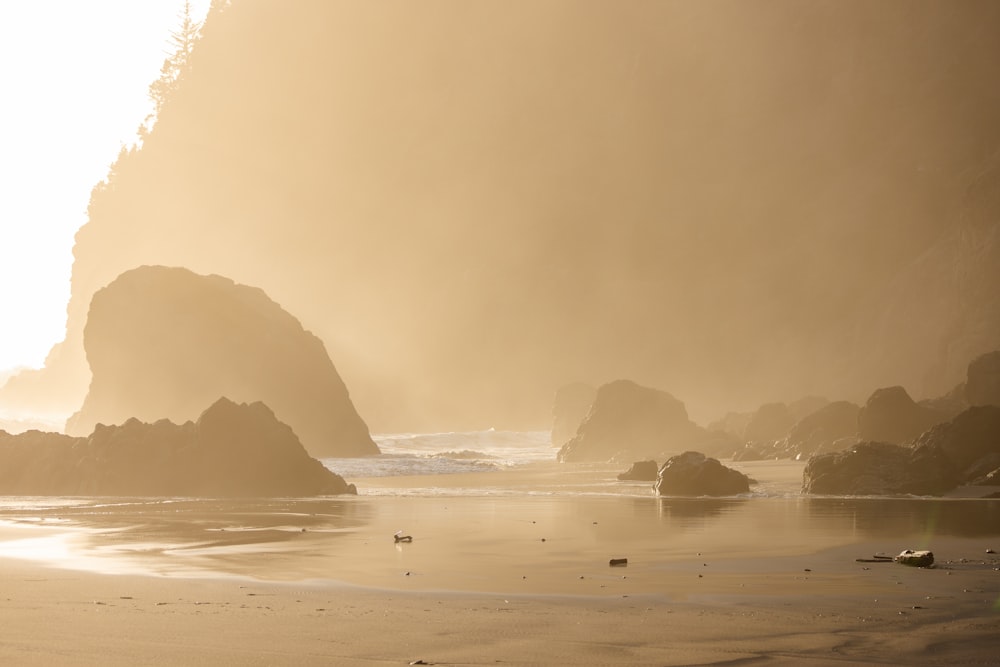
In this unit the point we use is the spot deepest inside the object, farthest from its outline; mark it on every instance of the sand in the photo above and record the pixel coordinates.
(707, 582)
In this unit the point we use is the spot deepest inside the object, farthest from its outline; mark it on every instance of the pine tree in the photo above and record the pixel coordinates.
(177, 63)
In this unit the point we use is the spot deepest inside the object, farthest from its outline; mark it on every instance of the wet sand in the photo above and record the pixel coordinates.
(512, 568)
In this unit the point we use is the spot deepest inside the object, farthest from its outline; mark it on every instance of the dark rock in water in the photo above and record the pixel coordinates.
(165, 342)
(641, 471)
(983, 384)
(231, 451)
(569, 408)
(770, 422)
(970, 442)
(965, 450)
(694, 474)
(878, 469)
(890, 415)
(631, 422)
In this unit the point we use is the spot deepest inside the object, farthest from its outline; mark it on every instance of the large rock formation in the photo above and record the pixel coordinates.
(890, 415)
(231, 450)
(875, 468)
(569, 408)
(982, 386)
(630, 422)
(164, 342)
(970, 442)
(965, 450)
(832, 423)
(694, 474)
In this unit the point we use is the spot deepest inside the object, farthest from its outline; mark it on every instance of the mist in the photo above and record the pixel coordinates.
(473, 204)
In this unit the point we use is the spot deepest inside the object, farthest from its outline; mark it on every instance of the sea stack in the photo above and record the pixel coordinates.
(162, 343)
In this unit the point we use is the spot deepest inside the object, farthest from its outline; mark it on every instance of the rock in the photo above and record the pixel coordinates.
(641, 471)
(963, 451)
(890, 415)
(915, 558)
(164, 342)
(755, 451)
(970, 442)
(880, 469)
(820, 430)
(569, 408)
(982, 387)
(632, 422)
(806, 406)
(770, 422)
(733, 423)
(232, 450)
(694, 474)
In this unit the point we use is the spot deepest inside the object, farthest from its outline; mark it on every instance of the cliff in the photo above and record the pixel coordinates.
(470, 203)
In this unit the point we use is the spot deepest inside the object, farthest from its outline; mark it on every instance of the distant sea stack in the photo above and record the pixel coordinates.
(629, 422)
(230, 451)
(163, 343)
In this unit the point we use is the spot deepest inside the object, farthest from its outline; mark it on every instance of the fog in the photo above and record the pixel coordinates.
(473, 204)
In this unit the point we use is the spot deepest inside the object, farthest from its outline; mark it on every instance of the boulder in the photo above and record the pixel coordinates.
(694, 474)
(569, 408)
(630, 422)
(162, 343)
(890, 415)
(641, 471)
(982, 387)
(879, 469)
(230, 451)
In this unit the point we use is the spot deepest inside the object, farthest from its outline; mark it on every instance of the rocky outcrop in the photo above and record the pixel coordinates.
(641, 471)
(569, 408)
(982, 387)
(630, 422)
(832, 426)
(694, 474)
(832, 423)
(970, 442)
(875, 468)
(770, 422)
(890, 415)
(965, 450)
(231, 450)
(164, 342)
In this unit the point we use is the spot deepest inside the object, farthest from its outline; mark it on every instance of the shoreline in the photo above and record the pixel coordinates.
(519, 578)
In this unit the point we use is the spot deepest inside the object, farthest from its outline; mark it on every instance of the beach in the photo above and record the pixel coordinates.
(504, 567)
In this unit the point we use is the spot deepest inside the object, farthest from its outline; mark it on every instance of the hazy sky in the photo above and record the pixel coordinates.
(75, 79)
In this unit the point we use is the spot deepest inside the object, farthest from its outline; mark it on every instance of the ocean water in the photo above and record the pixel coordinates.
(405, 454)
(426, 485)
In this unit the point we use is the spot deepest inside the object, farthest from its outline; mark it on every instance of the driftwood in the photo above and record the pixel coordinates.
(618, 562)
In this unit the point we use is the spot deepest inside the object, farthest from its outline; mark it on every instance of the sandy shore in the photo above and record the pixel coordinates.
(499, 577)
